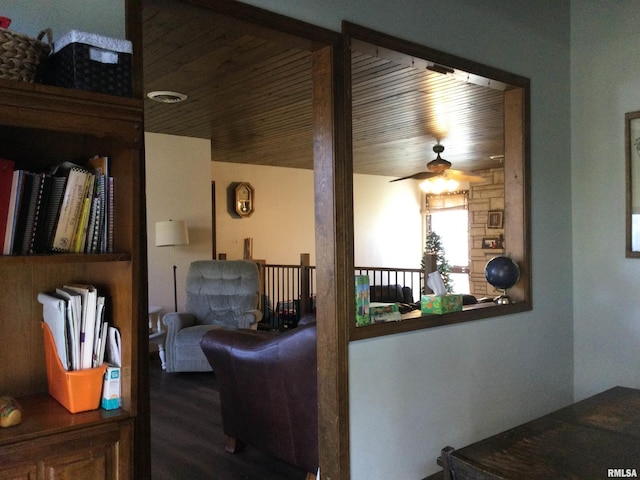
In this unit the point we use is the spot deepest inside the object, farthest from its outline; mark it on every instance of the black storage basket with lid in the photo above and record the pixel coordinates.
(75, 66)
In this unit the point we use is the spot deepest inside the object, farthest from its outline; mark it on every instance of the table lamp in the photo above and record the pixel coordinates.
(169, 234)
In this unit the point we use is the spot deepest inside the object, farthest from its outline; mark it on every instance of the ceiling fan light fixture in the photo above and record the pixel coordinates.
(167, 96)
(438, 185)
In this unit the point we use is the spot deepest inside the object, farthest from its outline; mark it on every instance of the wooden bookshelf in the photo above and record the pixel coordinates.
(42, 126)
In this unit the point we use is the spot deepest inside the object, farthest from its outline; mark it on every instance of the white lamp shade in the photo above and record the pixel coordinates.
(172, 232)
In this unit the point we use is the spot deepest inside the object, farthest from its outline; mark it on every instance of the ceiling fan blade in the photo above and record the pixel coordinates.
(464, 176)
(417, 176)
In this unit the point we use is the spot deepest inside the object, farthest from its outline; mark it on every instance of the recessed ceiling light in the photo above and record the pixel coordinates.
(167, 96)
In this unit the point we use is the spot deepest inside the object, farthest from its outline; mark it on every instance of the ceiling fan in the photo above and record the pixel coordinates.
(439, 167)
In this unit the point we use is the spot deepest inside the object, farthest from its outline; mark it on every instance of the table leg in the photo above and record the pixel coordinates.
(162, 356)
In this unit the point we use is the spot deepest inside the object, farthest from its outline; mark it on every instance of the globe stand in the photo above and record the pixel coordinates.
(502, 273)
(503, 299)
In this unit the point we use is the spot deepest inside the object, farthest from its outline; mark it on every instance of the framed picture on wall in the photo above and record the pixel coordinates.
(489, 242)
(632, 150)
(494, 220)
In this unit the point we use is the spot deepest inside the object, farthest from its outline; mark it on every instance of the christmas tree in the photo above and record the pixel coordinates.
(434, 247)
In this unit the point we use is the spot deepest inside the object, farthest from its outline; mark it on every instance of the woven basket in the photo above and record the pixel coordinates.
(21, 55)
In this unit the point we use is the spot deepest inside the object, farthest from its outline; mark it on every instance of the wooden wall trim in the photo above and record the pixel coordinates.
(516, 175)
(141, 454)
(268, 24)
(517, 227)
(333, 255)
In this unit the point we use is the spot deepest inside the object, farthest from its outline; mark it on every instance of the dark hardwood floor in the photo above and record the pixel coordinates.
(187, 442)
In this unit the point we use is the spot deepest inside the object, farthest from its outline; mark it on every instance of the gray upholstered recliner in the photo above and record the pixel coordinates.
(219, 293)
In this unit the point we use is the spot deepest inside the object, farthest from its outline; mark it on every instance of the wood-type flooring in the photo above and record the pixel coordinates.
(187, 442)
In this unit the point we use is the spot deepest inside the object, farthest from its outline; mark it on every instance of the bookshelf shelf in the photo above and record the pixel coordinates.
(62, 258)
(44, 416)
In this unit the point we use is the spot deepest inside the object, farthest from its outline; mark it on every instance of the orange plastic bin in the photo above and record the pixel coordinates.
(77, 391)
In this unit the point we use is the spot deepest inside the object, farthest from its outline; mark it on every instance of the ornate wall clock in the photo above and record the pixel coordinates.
(244, 199)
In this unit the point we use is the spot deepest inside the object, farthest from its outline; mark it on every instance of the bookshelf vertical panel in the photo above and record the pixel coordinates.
(19, 353)
(124, 166)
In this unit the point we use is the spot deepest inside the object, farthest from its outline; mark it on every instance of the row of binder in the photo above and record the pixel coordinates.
(67, 209)
(82, 335)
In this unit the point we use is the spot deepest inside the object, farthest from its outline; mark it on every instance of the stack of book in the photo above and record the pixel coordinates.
(75, 315)
(68, 208)
(384, 312)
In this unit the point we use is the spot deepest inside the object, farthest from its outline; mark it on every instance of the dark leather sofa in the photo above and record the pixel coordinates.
(390, 293)
(268, 390)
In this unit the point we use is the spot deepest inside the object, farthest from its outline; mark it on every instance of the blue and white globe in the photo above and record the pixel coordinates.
(502, 272)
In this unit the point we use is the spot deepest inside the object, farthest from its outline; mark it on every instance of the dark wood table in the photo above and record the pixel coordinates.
(596, 438)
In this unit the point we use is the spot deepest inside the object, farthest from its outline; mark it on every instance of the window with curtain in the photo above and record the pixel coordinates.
(448, 216)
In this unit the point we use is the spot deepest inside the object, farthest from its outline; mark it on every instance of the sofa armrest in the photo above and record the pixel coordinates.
(253, 317)
(174, 323)
(407, 295)
(240, 339)
(307, 318)
(178, 321)
(246, 346)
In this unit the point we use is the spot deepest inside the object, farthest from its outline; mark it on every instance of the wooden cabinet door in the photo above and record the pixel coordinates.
(96, 453)
(96, 463)
(28, 471)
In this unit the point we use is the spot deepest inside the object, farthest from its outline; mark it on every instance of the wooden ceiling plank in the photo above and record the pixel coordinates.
(251, 95)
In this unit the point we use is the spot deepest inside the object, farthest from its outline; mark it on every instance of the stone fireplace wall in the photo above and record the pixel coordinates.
(484, 197)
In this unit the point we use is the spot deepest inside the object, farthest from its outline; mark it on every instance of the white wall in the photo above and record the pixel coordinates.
(96, 16)
(178, 187)
(282, 225)
(387, 223)
(387, 217)
(605, 74)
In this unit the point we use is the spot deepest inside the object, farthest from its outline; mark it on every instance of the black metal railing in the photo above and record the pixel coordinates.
(289, 291)
(391, 281)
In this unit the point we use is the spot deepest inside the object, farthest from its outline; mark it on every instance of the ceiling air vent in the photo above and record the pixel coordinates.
(167, 96)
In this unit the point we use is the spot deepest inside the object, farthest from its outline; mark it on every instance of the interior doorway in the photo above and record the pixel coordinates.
(175, 27)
